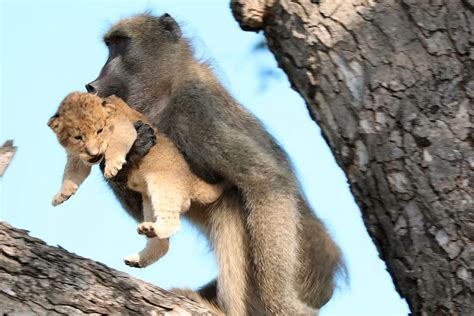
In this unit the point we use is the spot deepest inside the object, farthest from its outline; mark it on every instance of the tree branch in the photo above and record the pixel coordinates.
(39, 279)
(7, 151)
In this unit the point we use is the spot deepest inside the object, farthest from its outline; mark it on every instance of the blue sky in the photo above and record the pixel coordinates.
(50, 48)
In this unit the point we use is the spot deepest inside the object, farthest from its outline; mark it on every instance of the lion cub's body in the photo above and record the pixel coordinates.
(92, 129)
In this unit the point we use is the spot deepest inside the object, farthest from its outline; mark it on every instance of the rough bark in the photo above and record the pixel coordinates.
(37, 279)
(7, 151)
(391, 85)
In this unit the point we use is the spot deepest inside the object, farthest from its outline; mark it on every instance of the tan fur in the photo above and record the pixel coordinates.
(163, 177)
(235, 290)
(226, 231)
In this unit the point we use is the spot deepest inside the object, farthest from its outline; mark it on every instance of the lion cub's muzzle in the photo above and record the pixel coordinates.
(93, 154)
(95, 159)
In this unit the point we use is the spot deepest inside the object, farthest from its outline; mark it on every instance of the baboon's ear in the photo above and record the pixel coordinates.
(54, 122)
(170, 26)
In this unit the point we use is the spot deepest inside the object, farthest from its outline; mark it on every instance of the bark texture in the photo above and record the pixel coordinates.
(391, 85)
(36, 279)
(7, 151)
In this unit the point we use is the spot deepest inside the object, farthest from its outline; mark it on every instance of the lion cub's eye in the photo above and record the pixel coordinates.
(100, 131)
(78, 137)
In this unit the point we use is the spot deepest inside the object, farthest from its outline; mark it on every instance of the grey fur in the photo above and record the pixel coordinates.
(275, 257)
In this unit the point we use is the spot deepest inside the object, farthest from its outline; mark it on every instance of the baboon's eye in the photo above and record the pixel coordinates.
(116, 40)
(100, 131)
(78, 137)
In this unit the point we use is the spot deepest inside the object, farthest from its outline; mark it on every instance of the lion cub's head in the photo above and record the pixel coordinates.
(81, 125)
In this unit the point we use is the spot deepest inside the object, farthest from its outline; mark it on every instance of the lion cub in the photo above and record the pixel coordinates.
(92, 129)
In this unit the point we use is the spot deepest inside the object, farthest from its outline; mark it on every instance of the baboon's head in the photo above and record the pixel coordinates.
(81, 125)
(143, 50)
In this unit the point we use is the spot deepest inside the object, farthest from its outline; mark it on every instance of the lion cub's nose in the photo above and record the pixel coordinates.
(92, 151)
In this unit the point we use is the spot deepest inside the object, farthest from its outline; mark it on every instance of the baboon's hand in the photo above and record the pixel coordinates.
(66, 192)
(146, 139)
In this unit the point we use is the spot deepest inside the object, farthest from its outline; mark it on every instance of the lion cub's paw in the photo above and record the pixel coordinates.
(147, 229)
(65, 194)
(161, 230)
(113, 166)
(142, 260)
(133, 261)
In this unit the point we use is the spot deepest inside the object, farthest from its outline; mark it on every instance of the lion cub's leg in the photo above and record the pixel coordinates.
(120, 142)
(167, 196)
(75, 173)
(155, 247)
(206, 193)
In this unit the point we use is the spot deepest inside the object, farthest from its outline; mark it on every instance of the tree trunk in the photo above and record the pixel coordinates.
(391, 85)
(38, 279)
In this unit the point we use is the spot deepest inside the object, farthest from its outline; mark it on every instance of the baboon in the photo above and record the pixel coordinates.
(275, 257)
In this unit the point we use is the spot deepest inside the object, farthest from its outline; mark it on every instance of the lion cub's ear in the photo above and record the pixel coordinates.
(109, 107)
(54, 122)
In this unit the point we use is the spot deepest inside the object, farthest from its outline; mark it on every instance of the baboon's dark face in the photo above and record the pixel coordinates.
(142, 51)
(112, 77)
